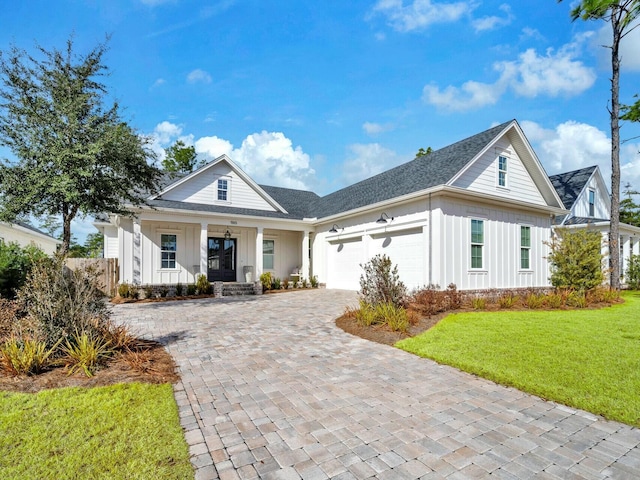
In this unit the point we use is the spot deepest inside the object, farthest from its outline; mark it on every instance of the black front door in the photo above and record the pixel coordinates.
(221, 260)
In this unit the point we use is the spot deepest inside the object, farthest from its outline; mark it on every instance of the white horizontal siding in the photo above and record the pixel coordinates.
(581, 205)
(203, 189)
(482, 176)
(23, 238)
(110, 242)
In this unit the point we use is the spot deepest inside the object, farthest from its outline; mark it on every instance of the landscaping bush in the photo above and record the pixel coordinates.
(62, 301)
(633, 272)
(191, 289)
(123, 290)
(534, 300)
(576, 259)
(285, 283)
(507, 300)
(202, 285)
(148, 291)
(380, 282)
(366, 316)
(85, 351)
(479, 303)
(392, 315)
(24, 356)
(314, 281)
(164, 291)
(276, 284)
(577, 299)
(266, 281)
(8, 316)
(455, 297)
(179, 289)
(430, 300)
(555, 300)
(15, 264)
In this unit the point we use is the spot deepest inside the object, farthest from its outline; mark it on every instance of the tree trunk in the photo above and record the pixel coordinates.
(68, 214)
(614, 232)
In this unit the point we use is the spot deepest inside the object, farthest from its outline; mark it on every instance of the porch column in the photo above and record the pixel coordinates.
(626, 253)
(258, 266)
(137, 254)
(305, 255)
(204, 234)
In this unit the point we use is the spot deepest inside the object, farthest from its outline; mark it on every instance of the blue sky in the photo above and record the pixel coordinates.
(318, 95)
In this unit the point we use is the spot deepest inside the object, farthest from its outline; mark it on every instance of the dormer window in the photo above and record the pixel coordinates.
(592, 203)
(502, 171)
(223, 189)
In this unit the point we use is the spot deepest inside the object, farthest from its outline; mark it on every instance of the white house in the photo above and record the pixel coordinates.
(585, 194)
(24, 234)
(475, 213)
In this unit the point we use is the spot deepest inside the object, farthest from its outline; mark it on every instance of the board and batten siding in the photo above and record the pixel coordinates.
(203, 189)
(581, 205)
(501, 251)
(287, 252)
(110, 242)
(482, 176)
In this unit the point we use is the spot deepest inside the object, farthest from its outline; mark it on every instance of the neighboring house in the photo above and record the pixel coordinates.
(24, 235)
(476, 213)
(585, 194)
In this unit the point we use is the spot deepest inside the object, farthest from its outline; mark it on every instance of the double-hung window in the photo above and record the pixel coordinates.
(223, 189)
(502, 171)
(168, 249)
(525, 248)
(592, 203)
(477, 243)
(268, 253)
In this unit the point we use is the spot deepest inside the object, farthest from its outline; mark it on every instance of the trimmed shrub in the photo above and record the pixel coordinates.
(266, 281)
(123, 290)
(430, 300)
(576, 259)
(380, 282)
(179, 289)
(202, 285)
(191, 289)
(15, 264)
(633, 272)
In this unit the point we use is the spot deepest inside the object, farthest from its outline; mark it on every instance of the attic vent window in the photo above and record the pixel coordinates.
(223, 189)
(502, 171)
(592, 203)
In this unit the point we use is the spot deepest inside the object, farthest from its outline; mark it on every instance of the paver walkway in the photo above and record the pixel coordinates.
(271, 388)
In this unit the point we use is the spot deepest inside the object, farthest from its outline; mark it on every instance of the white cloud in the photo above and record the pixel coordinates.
(164, 134)
(493, 21)
(572, 145)
(267, 157)
(366, 160)
(373, 129)
(420, 14)
(552, 74)
(629, 47)
(158, 82)
(198, 76)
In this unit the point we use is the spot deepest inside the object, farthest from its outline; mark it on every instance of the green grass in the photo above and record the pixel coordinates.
(588, 359)
(125, 431)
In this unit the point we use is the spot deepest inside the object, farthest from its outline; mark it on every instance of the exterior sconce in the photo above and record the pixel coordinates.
(335, 228)
(227, 235)
(383, 218)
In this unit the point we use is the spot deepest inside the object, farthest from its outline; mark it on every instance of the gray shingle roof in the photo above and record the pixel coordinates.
(423, 172)
(570, 184)
(584, 220)
(427, 171)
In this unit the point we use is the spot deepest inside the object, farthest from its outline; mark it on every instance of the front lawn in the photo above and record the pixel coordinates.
(587, 359)
(124, 431)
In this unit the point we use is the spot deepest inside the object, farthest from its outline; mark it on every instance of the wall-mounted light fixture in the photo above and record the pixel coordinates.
(335, 228)
(383, 218)
(227, 235)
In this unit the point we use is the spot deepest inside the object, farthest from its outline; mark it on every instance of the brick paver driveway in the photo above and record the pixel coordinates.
(271, 388)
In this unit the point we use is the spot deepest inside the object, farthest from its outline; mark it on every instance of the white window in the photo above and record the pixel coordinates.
(592, 203)
(223, 189)
(268, 253)
(502, 171)
(477, 243)
(525, 248)
(168, 249)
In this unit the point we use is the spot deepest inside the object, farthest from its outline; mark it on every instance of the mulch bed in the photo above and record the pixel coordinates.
(158, 367)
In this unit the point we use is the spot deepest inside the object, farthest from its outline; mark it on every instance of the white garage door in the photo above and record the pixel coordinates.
(406, 249)
(345, 257)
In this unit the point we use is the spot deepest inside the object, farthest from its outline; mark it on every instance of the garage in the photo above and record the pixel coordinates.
(407, 249)
(344, 259)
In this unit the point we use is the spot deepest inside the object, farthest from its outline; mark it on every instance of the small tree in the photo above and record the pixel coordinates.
(75, 154)
(180, 158)
(380, 282)
(633, 272)
(15, 264)
(576, 259)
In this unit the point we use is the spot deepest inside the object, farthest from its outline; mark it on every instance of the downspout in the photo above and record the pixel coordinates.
(430, 243)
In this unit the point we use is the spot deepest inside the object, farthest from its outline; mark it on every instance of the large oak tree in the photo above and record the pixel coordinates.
(620, 14)
(74, 153)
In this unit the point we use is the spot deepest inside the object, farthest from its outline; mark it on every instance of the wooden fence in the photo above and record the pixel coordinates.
(106, 267)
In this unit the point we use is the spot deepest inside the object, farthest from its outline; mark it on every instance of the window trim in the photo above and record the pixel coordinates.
(591, 205)
(477, 244)
(162, 251)
(526, 248)
(502, 172)
(273, 255)
(226, 189)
